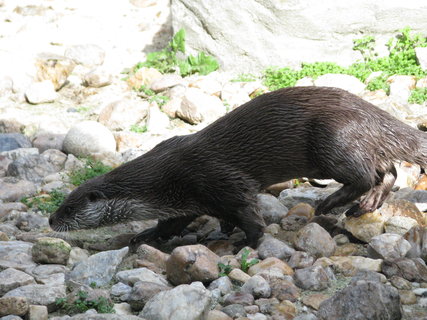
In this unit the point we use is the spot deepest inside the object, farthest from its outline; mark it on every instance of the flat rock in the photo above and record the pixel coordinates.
(142, 292)
(41, 92)
(97, 78)
(13, 189)
(11, 141)
(309, 195)
(32, 168)
(414, 270)
(271, 263)
(99, 268)
(399, 225)
(313, 278)
(368, 300)
(272, 247)
(351, 264)
(271, 209)
(16, 254)
(366, 226)
(13, 306)
(11, 279)
(122, 114)
(130, 277)
(184, 302)
(388, 246)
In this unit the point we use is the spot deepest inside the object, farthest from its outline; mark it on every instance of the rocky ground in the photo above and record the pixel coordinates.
(63, 97)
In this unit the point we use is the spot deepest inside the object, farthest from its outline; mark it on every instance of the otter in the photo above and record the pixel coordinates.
(313, 132)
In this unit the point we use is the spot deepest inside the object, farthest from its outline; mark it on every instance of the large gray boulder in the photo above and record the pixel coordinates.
(290, 32)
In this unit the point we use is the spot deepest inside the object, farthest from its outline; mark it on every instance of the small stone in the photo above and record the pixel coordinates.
(271, 209)
(366, 226)
(300, 259)
(351, 264)
(417, 237)
(270, 263)
(208, 85)
(283, 289)
(366, 275)
(341, 239)
(51, 250)
(272, 229)
(242, 298)
(16, 254)
(348, 249)
(314, 300)
(343, 81)
(192, 263)
(313, 278)
(272, 247)
(157, 121)
(143, 77)
(11, 279)
(122, 309)
(89, 137)
(217, 315)
(165, 82)
(403, 208)
(130, 277)
(13, 305)
(410, 269)
(388, 246)
(12, 141)
(86, 54)
(142, 292)
(407, 297)
(302, 210)
(54, 68)
(37, 313)
(400, 283)
(120, 289)
(184, 302)
(97, 78)
(152, 258)
(401, 86)
(399, 225)
(286, 309)
(234, 311)
(76, 255)
(304, 194)
(315, 240)
(257, 286)
(45, 141)
(122, 114)
(223, 284)
(239, 276)
(197, 107)
(41, 92)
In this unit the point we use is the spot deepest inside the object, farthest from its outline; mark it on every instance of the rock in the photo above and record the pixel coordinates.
(54, 68)
(417, 237)
(86, 54)
(13, 305)
(184, 302)
(219, 30)
(39, 294)
(122, 114)
(315, 240)
(366, 226)
(16, 254)
(409, 269)
(130, 277)
(157, 121)
(351, 264)
(233, 95)
(283, 289)
(270, 263)
(421, 53)
(32, 168)
(51, 250)
(192, 263)
(197, 107)
(223, 284)
(399, 225)
(143, 77)
(366, 275)
(99, 268)
(87, 138)
(76, 255)
(239, 276)
(234, 311)
(217, 315)
(41, 92)
(242, 298)
(343, 81)
(407, 175)
(314, 300)
(165, 82)
(28, 221)
(407, 297)
(418, 197)
(300, 259)
(272, 229)
(272, 247)
(388, 246)
(122, 309)
(11, 279)
(401, 86)
(37, 313)
(142, 292)
(257, 286)
(302, 210)
(403, 208)
(45, 141)
(271, 209)
(368, 300)
(97, 78)
(11, 141)
(313, 278)
(152, 258)
(122, 290)
(400, 283)
(286, 309)
(304, 194)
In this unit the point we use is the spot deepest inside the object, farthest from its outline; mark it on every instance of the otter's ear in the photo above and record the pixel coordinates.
(96, 195)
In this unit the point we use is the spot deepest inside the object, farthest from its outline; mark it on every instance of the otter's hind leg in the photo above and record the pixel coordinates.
(376, 196)
(163, 230)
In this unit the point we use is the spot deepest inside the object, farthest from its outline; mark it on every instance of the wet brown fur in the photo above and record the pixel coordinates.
(313, 132)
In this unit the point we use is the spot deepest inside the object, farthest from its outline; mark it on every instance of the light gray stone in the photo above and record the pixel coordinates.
(315, 240)
(32, 168)
(16, 254)
(130, 277)
(13, 189)
(313, 278)
(272, 247)
(343, 81)
(223, 284)
(311, 195)
(41, 92)
(257, 286)
(11, 279)
(11, 141)
(271, 209)
(184, 302)
(97, 78)
(122, 114)
(89, 137)
(99, 268)
(388, 246)
(399, 225)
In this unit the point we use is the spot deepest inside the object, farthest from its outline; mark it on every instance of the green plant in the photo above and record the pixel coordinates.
(45, 202)
(244, 77)
(378, 83)
(138, 129)
(418, 95)
(82, 304)
(366, 46)
(244, 263)
(168, 60)
(152, 96)
(91, 169)
(224, 269)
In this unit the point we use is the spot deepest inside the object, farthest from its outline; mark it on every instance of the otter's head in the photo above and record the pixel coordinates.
(84, 208)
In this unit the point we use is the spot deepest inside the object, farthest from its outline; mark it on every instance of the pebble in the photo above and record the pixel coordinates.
(122, 114)
(271, 209)
(142, 292)
(272, 247)
(366, 226)
(399, 225)
(97, 78)
(270, 263)
(51, 250)
(315, 240)
(257, 286)
(13, 305)
(11, 279)
(130, 277)
(313, 278)
(37, 313)
(388, 246)
(41, 92)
